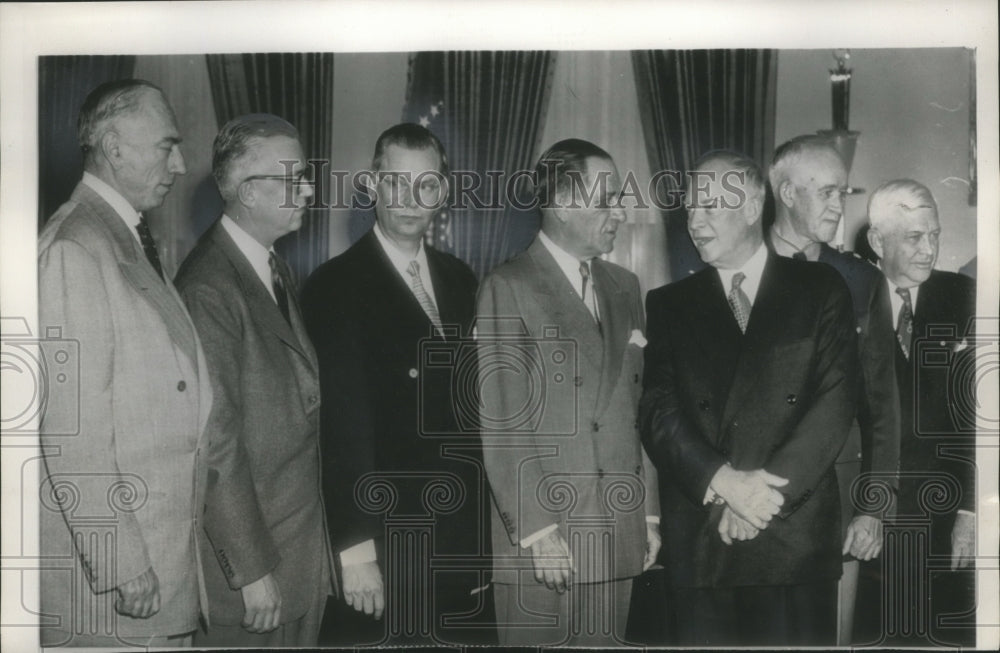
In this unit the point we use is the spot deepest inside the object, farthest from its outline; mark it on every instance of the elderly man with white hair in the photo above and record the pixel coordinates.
(933, 313)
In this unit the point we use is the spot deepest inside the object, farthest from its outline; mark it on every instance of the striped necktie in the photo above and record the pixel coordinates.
(279, 286)
(426, 303)
(904, 325)
(149, 245)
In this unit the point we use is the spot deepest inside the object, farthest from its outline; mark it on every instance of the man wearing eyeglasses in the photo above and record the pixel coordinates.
(809, 178)
(267, 559)
(391, 424)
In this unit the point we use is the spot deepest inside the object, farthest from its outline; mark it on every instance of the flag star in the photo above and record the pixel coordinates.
(434, 110)
(425, 121)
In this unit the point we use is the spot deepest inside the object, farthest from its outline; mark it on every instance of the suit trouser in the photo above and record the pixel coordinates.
(847, 588)
(588, 614)
(782, 615)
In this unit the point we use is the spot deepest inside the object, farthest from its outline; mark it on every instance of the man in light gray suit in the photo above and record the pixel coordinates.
(268, 566)
(124, 457)
(576, 505)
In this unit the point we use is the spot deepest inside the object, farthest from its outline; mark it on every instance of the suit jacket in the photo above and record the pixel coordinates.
(873, 440)
(123, 439)
(936, 399)
(390, 415)
(559, 399)
(779, 397)
(264, 511)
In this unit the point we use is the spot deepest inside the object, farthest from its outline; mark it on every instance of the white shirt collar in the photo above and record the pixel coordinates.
(569, 264)
(256, 254)
(897, 301)
(401, 261)
(121, 206)
(753, 270)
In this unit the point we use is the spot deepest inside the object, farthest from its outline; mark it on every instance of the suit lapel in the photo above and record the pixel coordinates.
(388, 284)
(132, 262)
(713, 327)
(563, 306)
(262, 306)
(614, 308)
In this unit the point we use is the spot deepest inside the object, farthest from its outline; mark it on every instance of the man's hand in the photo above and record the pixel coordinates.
(261, 605)
(363, 588)
(751, 495)
(963, 541)
(652, 544)
(139, 597)
(553, 562)
(733, 527)
(864, 537)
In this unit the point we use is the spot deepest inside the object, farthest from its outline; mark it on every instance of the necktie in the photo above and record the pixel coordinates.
(739, 302)
(799, 256)
(149, 245)
(426, 303)
(589, 298)
(279, 286)
(904, 325)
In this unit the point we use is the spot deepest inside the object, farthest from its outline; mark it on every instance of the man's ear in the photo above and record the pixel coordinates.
(753, 209)
(876, 242)
(110, 148)
(246, 194)
(786, 193)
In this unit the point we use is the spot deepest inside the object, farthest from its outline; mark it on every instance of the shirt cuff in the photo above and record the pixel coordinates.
(358, 554)
(653, 519)
(966, 512)
(537, 535)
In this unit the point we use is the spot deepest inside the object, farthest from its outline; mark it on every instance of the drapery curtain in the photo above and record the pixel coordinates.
(63, 85)
(488, 109)
(299, 88)
(693, 101)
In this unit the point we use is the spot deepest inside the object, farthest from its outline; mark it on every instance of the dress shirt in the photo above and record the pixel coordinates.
(752, 270)
(121, 206)
(401, 262)
(256, 254)
(570, 265)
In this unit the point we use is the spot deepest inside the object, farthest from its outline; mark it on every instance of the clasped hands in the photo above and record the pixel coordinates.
(751, 501)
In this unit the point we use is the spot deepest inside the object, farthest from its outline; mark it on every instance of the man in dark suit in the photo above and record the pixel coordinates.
(268, 566)
(809, 179)
(124, 456)
(749, 391)
(936, 373)
(576, 513)
(402, 464)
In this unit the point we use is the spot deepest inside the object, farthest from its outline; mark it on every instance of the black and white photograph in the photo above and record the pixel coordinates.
(462, 325)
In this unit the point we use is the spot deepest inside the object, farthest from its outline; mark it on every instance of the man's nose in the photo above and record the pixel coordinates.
(696, 218)
(175, 164)
(618, 213)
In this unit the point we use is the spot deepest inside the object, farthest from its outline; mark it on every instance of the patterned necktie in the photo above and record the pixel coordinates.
(589, 300)
(739, 302)
(149, 245)
(904, 325)
(279, 286)
(426, 303)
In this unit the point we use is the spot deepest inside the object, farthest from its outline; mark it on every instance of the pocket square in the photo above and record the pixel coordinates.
(636, 338)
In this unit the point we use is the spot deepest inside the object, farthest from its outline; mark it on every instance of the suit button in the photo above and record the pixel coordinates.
(638, 469)
(596, 427)
(600, 473)
(181, 386)
(791, 399)
(578, 381)
(636, 378)
(413, 372)
(859, 455)
(703, 404)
